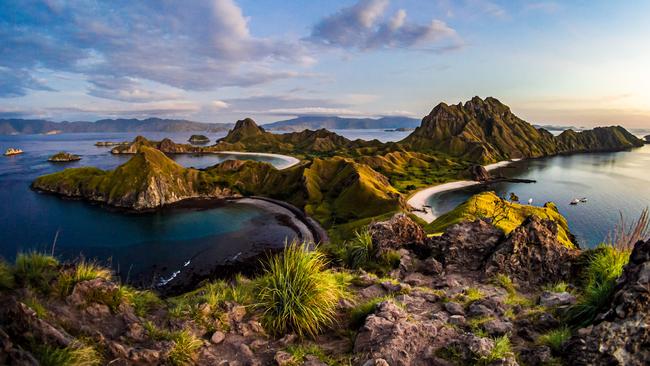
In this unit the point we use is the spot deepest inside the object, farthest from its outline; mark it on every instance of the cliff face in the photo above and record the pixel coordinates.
(486, 131)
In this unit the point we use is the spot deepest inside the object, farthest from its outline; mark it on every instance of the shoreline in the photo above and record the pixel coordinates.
(289, 160)
(419, 199)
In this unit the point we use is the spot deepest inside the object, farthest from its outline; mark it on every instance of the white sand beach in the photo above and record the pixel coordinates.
(287, 161)
(420, 198)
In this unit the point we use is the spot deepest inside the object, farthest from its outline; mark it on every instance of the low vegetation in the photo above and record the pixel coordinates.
(297, 293)
(82, 271)
(36, 270)
(73, 355)
(555, 338)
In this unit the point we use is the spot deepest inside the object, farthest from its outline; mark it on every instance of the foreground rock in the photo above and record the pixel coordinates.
(622, 334)
(63, 156)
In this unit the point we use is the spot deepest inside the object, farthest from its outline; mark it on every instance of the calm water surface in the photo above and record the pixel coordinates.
(612, 183)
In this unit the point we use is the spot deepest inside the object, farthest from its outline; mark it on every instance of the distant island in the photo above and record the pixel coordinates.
(342, 123)
(40, 126)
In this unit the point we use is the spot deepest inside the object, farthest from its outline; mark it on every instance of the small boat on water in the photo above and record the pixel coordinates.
(583, 200)
(11, 151)
(574, 202)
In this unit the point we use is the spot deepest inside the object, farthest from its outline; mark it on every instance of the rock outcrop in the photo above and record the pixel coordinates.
(479, 173)
(621, 335)
(398, 232)
(532, 254)
(390, 335)
(466, 246)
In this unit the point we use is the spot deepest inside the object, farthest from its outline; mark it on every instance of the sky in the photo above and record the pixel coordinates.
(572, 63)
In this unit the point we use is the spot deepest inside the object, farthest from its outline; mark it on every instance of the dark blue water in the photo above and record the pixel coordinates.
(612, 183)
(139, 244)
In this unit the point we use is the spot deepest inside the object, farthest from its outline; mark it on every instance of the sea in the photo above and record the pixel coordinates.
(140, 244)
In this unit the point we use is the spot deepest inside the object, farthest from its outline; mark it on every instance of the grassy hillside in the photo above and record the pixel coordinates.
(504, 214)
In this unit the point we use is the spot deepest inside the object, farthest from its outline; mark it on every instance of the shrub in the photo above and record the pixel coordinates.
(604, 267)
(555, 338)
(35, 269)
(144, 302)
(6, 276)
(296, 292)
(83, 271)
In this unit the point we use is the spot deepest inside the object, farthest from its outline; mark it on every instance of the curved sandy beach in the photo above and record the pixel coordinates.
(420, 198)
(288, 161)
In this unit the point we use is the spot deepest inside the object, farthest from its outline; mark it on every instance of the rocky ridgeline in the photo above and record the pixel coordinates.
(442, 304)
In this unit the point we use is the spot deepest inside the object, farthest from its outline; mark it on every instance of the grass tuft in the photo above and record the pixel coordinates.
(557, 287)
(296, 292)
(184, 350)
(604, 267)
(555, 338)
(73, 355)
(36, 270)
(83, 271)
(37, 306)
(505, 282)
(6, 276)
(360, 312)
(502, 349)
(361, 249)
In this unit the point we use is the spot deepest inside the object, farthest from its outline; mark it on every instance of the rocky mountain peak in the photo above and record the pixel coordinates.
(248, 126)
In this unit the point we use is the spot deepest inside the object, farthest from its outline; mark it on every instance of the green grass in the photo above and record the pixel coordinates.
(185, 345)
(557, 287)
(36, 270)
(73, 355)
(297, 293)
(299, 352)
(605, 265)
(472, 294)
(555, 338)
(502, 349)
(83, 271)
(6, 276)
(184, 350)
(360, 312)
(504, 282)
(143, 302)
(37, 306)
(361, 249)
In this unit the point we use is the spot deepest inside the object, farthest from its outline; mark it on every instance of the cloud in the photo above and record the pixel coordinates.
(219, 104)
(264, 103)
(198, 45)
(487, 7)
(126, 90)
(549, 7)
(363, 26)
(17, 82)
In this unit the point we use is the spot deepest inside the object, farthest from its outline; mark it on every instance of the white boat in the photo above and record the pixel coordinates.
(574, 202)
(11, 151)
(583, 199)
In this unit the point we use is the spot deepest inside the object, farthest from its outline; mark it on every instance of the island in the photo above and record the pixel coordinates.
(199, 139)
(62, 157)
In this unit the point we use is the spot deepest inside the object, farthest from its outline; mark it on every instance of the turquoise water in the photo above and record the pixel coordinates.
(611, 182)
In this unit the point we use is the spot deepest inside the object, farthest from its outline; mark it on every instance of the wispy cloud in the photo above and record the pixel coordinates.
(364, 26)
